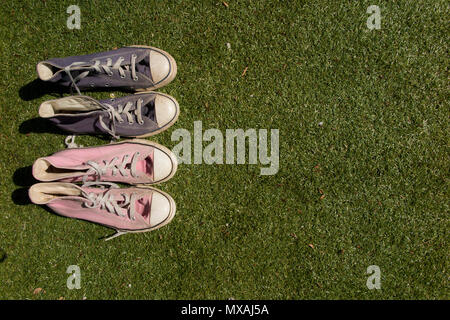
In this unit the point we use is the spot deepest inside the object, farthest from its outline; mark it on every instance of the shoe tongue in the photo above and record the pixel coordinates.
(143, 205)
(145, 166)
(148, 110)
(143, 66)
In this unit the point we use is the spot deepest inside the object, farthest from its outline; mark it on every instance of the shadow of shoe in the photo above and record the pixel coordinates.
(39, 125)
(23, 177)
(37, 88)
(20, 197)
(3, 255)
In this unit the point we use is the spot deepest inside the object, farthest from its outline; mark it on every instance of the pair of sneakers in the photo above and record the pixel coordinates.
(134, 68)
(139, 163)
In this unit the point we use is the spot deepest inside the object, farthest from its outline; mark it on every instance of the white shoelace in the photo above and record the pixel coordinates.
(106, 68)
(116, 115)
(69, 141)
(106, 201)
(120, 167)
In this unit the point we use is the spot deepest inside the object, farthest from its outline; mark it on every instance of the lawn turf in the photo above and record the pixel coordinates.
(369, 186)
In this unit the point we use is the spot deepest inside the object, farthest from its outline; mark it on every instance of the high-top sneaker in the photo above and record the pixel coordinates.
(136, 68)
(139, 115)
(135, 162)
(133, 209)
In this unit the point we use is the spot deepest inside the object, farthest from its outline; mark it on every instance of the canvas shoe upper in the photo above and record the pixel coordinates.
(139, 115)
(124, 209)
(137, 68)
(133, 161)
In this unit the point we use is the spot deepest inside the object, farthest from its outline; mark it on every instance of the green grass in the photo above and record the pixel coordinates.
(380, 158)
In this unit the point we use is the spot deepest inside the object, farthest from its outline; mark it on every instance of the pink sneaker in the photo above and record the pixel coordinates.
(135, 161)
(133, 209)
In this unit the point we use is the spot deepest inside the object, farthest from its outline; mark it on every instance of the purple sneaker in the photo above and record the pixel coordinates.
(139, 115)
(138, 68)
(132, 161)
(126, 210)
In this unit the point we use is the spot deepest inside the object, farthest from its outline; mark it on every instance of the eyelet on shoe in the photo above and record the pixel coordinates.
(130, 122)
(92, 85)
(135, 79)
(122, 76)
(141, 123)
(106, 84)
(111, 74)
